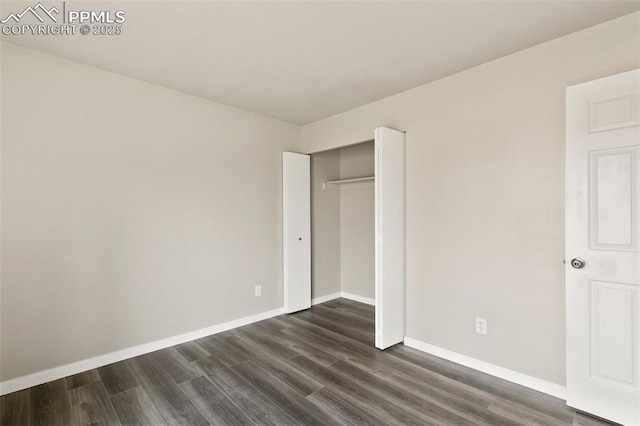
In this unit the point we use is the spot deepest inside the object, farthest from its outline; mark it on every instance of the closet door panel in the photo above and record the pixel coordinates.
(390, 236)
(296, 238)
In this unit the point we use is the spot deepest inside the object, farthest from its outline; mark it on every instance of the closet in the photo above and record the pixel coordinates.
(343, 229)
(343, 222)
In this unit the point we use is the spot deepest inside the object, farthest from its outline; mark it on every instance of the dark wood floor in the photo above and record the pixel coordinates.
(316, 367)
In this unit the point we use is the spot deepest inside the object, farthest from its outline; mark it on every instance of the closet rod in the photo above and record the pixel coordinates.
(343, 181)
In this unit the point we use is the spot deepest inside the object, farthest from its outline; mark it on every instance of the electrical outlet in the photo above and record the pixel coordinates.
(258, 290)
(481, 325)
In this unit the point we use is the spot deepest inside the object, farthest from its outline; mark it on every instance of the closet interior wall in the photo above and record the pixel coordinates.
(325, 225)
(342, 222)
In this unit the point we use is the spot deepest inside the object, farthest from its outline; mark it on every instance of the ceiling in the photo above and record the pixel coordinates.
(304, 61)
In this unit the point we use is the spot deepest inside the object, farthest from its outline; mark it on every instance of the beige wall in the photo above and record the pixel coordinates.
(130, 212)
(357, 222)
(325, 225)
(485, 197)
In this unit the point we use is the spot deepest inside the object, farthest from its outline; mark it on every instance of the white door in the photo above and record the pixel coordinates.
(296, 229)
(390, 236)
(603, 230)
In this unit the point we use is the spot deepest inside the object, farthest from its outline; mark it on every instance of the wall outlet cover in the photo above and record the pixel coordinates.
(481, 325)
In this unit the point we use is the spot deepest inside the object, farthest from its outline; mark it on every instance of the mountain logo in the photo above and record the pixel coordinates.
(38, 11)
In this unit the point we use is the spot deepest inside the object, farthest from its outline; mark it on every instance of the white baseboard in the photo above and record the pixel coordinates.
(366, 300)
(350, 296)
(56, 373)
(323, 299)
(503, 373)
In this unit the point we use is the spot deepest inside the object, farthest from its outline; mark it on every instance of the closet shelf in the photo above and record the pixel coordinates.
(346, 181)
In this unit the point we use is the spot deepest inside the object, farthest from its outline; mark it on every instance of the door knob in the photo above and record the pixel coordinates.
(577, 263)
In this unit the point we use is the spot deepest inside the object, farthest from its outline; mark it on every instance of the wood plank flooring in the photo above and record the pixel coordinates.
(316, 367)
